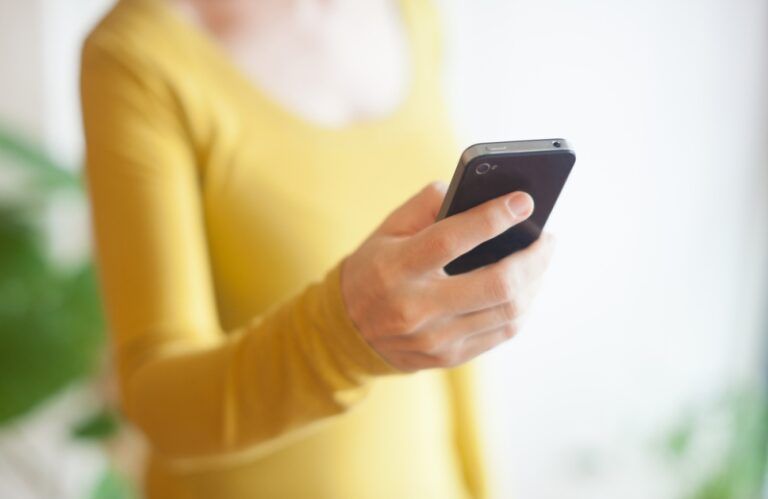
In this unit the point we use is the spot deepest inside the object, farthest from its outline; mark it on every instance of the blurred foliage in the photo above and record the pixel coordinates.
(113, 486)
(98, 426)
(43, 171)
(51, 325)
(739, 473)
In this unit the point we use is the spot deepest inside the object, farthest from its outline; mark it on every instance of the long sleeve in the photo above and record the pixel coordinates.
(195, 390)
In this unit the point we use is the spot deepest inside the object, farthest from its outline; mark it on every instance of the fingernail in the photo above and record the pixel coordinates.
(519, 204)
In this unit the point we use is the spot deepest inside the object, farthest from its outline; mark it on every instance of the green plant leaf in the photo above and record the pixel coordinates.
(29, 157)
(51, 327)
(98, 426)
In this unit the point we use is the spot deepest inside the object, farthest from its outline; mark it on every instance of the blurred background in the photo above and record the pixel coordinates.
(642, 370)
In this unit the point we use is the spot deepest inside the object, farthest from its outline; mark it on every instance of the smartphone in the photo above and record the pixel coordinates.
(489, 170)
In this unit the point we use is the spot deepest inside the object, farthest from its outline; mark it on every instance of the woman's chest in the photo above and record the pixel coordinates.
(282, 205)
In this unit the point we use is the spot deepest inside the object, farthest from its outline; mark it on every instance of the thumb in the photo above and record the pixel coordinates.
(418, 212)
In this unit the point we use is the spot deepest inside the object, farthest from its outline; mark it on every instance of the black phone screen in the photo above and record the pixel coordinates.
(540, 174)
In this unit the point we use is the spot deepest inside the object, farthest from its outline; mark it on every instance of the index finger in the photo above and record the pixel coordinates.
(442, 242)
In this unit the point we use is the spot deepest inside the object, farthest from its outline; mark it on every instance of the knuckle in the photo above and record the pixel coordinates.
(388, 273)
(510, 331)
(510, 310)
(428, 343)
(515, 272)
(500, 287)
(397, 322)
(404, 316)
(450, 357)
(381, 272)
(441, 244)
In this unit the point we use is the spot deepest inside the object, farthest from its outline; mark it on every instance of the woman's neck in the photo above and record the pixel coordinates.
(232, 20)
(331, 61)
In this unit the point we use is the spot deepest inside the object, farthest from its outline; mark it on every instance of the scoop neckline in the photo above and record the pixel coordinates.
(283, 112)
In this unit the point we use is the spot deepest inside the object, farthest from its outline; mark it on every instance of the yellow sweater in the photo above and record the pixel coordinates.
(220, 220)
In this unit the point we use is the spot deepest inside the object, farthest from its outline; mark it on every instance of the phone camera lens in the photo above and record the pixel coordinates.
(556, 143)
(482, 168)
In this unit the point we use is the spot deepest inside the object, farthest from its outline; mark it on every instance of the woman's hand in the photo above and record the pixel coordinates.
(414, 314)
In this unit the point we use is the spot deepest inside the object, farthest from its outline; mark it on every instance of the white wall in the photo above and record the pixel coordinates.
(21, 65)
(655, 299)
(64, 23)
(39, 54)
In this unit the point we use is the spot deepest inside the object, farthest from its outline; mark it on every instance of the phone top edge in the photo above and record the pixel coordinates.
(517, 146)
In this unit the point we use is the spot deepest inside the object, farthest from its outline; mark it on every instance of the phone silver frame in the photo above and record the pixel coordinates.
(497, 148)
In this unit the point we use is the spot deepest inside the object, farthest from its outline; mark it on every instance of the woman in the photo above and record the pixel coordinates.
(275, 338)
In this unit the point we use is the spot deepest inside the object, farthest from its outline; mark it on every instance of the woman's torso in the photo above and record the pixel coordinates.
(283, 200)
